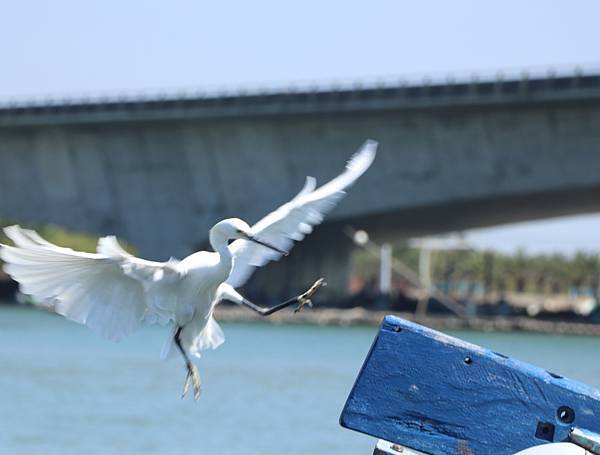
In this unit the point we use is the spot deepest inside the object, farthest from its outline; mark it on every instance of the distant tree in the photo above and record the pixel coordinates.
(497, 272)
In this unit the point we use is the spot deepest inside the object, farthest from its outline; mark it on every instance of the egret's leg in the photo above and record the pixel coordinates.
(192, 370)
(301, 300)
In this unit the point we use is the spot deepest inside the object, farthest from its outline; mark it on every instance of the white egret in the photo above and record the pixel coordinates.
(112, 292)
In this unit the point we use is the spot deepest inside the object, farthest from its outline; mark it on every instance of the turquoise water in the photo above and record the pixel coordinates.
(268, 390)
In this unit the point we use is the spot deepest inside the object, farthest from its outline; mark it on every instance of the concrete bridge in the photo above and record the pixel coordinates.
(161, 172)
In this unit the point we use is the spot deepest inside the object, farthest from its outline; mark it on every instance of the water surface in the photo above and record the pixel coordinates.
(268, 390)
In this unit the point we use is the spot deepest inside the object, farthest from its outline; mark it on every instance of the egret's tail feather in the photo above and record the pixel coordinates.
(211, 337)
(167, 350)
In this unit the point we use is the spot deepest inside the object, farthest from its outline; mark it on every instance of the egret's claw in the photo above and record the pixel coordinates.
(196, 383)
(305, 299)
(186, 385)
(192, 376)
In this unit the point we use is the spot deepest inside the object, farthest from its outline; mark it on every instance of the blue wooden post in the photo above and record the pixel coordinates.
(434, 393)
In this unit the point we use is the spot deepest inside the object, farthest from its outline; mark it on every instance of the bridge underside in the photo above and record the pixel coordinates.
(329, 248)
(471, 214)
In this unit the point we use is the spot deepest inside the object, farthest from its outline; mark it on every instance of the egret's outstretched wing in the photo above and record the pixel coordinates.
(104, 290)
(295, 219)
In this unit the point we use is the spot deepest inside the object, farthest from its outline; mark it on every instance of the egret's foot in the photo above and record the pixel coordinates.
(192, 376)
(305, 299)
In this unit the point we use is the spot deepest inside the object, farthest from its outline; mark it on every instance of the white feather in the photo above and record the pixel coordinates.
(104, 290)
(294, 220)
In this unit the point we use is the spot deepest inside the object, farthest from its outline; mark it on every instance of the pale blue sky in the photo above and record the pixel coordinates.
(72, 46)
(69, 47)
(563, 235)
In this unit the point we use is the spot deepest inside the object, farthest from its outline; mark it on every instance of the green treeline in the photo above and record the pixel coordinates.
(497, 272)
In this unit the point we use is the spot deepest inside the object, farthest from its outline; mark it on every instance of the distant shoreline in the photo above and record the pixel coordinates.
(360, 316)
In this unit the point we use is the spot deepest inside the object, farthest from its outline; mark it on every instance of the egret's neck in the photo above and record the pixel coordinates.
(219, 244)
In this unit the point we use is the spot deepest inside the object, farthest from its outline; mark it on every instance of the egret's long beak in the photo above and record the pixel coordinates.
(260, 242)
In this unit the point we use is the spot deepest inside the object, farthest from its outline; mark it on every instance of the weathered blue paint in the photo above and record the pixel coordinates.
(438, 394)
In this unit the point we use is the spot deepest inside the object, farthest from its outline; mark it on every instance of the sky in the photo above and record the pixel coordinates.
(566, 235)
(70, 48)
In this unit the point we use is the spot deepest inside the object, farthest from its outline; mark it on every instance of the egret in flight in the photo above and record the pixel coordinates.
(112, 292)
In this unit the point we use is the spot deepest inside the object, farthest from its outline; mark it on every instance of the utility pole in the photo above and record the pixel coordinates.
(385, 270)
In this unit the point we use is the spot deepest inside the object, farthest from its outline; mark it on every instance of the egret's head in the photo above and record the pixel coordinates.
(231, 229)
(234, 228)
